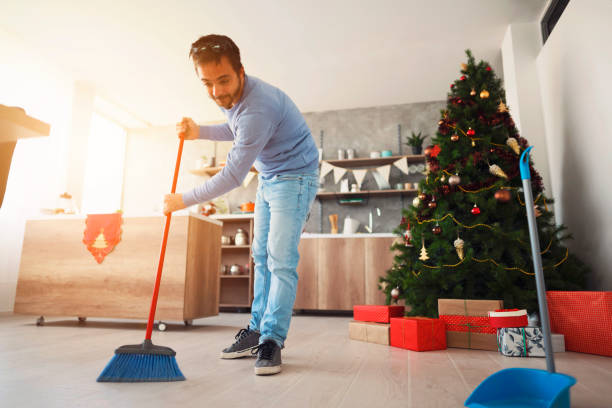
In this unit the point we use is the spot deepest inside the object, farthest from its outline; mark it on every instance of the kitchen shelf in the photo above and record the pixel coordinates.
(333, 194)
(365, 162)
(235, 246)
(234, 276)
(211, 171)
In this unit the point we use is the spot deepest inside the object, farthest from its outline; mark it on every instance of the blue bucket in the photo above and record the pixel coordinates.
(523, 387)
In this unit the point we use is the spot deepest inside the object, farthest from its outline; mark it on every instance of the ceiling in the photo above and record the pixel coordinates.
(326, 55)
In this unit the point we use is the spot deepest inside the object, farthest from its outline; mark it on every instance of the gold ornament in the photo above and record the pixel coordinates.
(496, 170)
(459, 247)
(473, 143)
(536, 210)
(464, 66)
(501, 108)
(473, 92)
(513, 144)
(424, 255)
(484, 94)
(442, 179)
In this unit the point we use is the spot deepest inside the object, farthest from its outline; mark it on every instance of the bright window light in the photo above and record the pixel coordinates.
(104, 167)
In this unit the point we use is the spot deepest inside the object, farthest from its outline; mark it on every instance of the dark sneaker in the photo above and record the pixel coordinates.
(268, 358)
(246, 340)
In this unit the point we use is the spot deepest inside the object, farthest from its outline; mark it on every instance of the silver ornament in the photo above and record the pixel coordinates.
(416, 202)
(454, 180)
(395, 293)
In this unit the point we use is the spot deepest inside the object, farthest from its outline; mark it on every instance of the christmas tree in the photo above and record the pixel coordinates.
(466, 234)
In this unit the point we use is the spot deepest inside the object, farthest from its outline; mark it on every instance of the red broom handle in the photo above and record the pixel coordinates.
(162, 253)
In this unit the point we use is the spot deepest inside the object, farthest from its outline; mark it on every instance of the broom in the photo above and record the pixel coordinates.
(146, 362)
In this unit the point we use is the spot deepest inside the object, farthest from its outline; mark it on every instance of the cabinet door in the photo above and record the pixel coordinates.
(307, 296)
(378, 259)
(341, 273)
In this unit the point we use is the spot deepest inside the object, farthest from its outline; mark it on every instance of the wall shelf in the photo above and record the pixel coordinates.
(331, 194)
(365, 162)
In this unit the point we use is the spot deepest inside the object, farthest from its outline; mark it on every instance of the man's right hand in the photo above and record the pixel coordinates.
(187, 129)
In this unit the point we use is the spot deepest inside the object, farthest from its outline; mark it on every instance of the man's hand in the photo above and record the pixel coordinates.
(173, 202)
(187, 129)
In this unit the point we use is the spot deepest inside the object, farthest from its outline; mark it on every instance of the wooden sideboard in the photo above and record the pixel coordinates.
(59, 277)
(336, 273)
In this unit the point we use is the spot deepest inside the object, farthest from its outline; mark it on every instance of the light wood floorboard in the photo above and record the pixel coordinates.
(56, 366)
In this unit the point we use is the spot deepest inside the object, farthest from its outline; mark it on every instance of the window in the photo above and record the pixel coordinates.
(103, 183)
(552, 15)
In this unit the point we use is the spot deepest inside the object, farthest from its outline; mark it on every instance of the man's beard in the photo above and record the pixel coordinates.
(227, 101)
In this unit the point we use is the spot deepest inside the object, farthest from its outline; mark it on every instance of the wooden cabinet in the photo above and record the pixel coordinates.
(59, 277)
(337, 273)
(236, 290)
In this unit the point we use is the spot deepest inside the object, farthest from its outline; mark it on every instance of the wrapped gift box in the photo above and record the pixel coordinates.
(508, 318)
(526, 342)
(418, 333)
(558, 342)
(584, 318)
(377, 313)
(520, 341)
(371, 332)
(467, 323)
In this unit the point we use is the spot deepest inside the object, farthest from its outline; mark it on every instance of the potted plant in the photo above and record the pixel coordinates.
(416, 141)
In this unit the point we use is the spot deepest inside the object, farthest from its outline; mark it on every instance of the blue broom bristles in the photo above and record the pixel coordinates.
(126, 367)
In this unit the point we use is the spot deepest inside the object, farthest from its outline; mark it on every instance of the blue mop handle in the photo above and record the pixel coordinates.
(537, 259)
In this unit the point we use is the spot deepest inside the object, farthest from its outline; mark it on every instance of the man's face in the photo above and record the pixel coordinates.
(224, 85)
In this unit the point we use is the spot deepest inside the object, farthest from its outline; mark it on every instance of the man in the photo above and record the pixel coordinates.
(270, 133)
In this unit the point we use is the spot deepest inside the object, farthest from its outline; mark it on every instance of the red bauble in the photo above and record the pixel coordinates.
(452, 86)
(475, 210)
(432, 203)
(427, 150)
(437, 230)
(435, 151)
(503, 196)
(445, 189)
(471, 132)
(462, 77)
(488, 68)
(422, 196)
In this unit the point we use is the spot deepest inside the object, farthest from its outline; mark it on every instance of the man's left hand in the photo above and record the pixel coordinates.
(173, 202)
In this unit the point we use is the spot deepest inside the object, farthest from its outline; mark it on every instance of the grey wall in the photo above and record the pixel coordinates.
(365, 130)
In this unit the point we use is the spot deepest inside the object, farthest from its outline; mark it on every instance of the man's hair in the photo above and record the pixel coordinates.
(212, 47)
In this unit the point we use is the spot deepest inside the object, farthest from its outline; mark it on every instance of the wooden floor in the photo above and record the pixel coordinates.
(56, 366)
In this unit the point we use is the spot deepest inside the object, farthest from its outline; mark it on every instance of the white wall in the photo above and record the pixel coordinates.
(36, 176)
(149, 167)
(574, 69)
(520, 48)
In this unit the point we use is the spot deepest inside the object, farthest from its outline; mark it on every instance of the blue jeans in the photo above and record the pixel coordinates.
(281, 208)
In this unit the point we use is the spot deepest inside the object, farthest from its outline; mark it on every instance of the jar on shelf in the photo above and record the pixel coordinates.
(241, 237)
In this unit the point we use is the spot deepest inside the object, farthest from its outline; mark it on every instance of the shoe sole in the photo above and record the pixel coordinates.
(238, 354)
(267, 370)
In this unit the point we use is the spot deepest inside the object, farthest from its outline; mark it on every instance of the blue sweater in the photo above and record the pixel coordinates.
(268, 131)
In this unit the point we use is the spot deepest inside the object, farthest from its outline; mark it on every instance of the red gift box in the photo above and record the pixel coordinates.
(418, 333)
(584, 318)
(473, 324)
(377, 313)
(505, 318)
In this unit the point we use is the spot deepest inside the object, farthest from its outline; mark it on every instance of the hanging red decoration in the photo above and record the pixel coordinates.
(462, 77)
(475, 210)
(470, 132)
